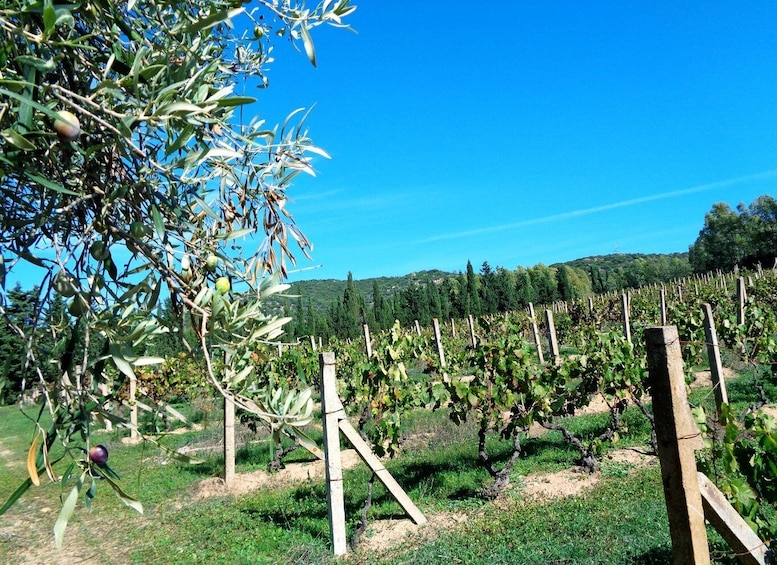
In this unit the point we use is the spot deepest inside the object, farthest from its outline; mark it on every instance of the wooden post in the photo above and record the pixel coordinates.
(438, 341)
(626, 324)
(741, 296)
(713, 353)
(536, 333)
(312, 343)
(730, 525)
(663, 306)
(417, 328)
(104, 391)
(453, 328)
(372, 461)
(554, 351)
(676, 434)
(367, 341)
(229, 442)
(336, 421)
(471, 321)
(133, 393)
(590, 305)
(333, 411)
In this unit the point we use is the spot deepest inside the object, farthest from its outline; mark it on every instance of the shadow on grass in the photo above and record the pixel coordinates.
(654, 556)
(302, 508)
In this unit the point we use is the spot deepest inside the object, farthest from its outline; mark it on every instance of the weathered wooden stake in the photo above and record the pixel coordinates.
(741, 296)
(333, 411)
(417, 328)
(336, 421)
(536, 333)
(229, 442)
(554, 351)
(713, 353)
(367, 341)
(663, 306)
(626, 323)
(471, 322)
(105, 391)
(748, 547)
(676, 435)
(366, 455)
(438, 341)
(133, 402)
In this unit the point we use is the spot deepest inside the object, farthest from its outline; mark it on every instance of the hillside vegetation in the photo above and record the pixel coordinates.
(340, 307)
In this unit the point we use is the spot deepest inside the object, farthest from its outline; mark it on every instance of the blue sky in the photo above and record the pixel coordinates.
(521, 132)
(518, 133)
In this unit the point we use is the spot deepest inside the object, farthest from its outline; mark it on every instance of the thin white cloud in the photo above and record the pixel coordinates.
(316, 195)
(344, 204)
(596, 209)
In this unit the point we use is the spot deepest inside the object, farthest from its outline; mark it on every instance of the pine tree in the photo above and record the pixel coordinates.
(433, 300)
(524, 290)
(352, 306)
(15, 333)
(383, 312)
(504, 289)
(487, 293)
(472, 300)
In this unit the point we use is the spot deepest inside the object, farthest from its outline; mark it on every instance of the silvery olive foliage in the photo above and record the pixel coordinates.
(128, 174)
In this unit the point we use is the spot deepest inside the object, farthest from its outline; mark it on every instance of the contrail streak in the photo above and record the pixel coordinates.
(587, 211)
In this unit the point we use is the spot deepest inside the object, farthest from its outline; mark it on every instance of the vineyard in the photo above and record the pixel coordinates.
(507, 378)
(156, 407)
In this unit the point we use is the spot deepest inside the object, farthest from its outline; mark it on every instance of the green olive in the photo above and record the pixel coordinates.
(137, 230)
(212, 262)
(223, 285)
(64, 284)
(67, 126)
(99, 251)
(77, 306)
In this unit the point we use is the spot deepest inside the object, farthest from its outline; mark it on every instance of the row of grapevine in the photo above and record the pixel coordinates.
(492, 372)
(497, 381)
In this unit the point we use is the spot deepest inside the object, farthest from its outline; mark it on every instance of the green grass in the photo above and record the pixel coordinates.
(623, 520)
(619, 521)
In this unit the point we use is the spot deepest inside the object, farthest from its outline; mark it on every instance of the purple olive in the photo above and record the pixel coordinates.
(99, 454)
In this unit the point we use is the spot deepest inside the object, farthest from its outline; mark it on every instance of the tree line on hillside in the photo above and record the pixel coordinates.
(488, 291)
